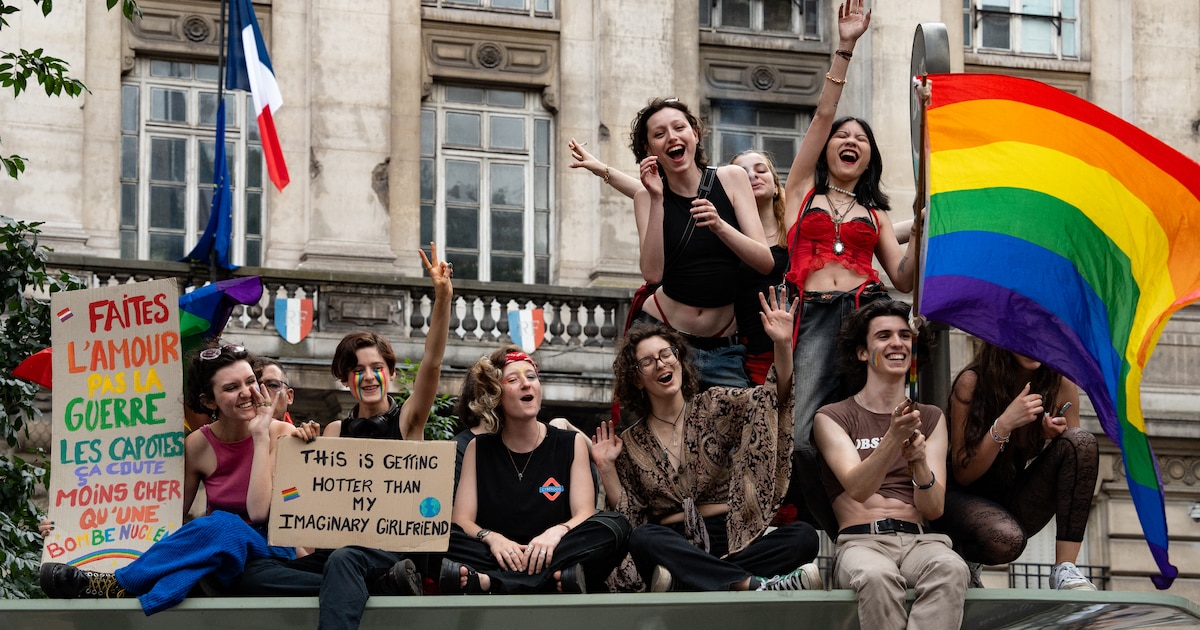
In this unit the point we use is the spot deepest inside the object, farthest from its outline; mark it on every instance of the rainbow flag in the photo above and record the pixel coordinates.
(1061, 232)
(290, 493)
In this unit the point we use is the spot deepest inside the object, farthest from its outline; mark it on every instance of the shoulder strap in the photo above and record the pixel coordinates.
(707, 179)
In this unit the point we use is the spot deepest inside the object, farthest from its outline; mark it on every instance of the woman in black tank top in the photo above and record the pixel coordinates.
(524, 515)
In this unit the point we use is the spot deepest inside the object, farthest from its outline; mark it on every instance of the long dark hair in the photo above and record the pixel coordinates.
(867, 192)
(997, 381)
(625, 369)
(639, 140)
(853, 335)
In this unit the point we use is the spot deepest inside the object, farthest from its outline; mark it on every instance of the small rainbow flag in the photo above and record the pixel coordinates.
(290, 493)
(1061, 232)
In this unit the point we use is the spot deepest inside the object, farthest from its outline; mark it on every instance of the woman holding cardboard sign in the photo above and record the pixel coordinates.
(525, 516)
(233, 456)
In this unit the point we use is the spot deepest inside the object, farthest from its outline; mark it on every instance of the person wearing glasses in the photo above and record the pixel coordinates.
(233, 456)
(270, 373)
(700, 474)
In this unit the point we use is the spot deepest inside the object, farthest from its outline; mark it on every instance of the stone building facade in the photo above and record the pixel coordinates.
(406, 121)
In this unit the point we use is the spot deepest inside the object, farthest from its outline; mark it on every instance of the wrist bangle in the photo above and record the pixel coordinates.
(932, 479)
(606, 174)
(481, 533)
(996, 436)
(566, 526)
(835, 80)
(844, 54)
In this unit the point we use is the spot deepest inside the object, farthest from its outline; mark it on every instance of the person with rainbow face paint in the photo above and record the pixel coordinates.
(365, 363)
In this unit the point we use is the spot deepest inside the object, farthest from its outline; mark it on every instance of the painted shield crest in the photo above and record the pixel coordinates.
(293, 318)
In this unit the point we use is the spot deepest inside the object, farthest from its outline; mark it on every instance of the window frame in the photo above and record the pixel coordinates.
(532, 8)
(711, 13)
(717, 128)
(974, 15)
(535, 265)
(240, 139)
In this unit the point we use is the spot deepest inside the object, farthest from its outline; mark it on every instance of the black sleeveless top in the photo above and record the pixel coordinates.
(747, 307)
(523, 508)
(705, 272)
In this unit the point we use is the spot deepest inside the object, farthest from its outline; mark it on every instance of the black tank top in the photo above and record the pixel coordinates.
(705, 273)
(523, 508)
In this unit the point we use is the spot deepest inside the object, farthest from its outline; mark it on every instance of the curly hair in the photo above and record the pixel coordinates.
(200, 372)
(625, 368)
(997, 383)
(778, 204)
(345, 357)
(639, 140)
(868, 191)
(482, 388)
(853, 335)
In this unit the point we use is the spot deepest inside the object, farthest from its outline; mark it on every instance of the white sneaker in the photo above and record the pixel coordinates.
(660, 580)
(806, 578)
(1066, 577)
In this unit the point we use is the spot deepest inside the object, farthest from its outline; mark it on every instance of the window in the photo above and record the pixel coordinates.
(741, 127)
(486, 182)
(532, 8)
(784, 17)
(1027, 27)
(168, 145)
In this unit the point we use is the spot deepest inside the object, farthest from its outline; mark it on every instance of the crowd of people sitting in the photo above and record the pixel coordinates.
(764, 365)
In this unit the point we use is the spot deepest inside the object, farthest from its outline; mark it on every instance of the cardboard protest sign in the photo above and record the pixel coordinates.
(116, 483)
(393, 495)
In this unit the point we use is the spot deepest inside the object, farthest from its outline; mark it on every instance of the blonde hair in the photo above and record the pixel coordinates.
(778, 204)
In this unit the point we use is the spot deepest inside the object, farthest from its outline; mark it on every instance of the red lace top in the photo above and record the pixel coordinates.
(812, 248)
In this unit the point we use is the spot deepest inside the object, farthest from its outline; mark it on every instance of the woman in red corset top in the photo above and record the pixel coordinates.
(833, 202)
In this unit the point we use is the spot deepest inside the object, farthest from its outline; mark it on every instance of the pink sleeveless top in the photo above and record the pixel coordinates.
(229, 484)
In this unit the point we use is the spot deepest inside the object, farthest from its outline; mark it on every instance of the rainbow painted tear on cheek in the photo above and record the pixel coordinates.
(359, 378)
(875, 358)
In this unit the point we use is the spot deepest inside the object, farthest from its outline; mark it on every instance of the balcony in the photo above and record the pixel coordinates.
(582, 326)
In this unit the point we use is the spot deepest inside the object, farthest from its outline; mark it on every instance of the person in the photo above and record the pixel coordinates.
(233, 456)
(271, 375)
(833, 202)
(771, 200)
(885, 460)
(524, 517)
(1016, 464)
(364, 362)
(693, 230)
(701, 473)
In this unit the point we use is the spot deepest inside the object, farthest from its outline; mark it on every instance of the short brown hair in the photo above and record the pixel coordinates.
(345, 358)
(639, 139)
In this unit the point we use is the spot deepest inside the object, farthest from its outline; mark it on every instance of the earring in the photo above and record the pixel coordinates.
(212, 413)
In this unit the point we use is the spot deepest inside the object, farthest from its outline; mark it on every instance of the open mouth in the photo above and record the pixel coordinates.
(848, 156)
(666, 378)
(896, 356)
(527, 398)
(676, 152)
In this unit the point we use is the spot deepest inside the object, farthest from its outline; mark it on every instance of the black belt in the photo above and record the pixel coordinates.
(709, 343)
(885, 526)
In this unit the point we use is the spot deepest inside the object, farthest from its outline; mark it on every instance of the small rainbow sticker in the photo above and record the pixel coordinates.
(65, 314)
(291, 493)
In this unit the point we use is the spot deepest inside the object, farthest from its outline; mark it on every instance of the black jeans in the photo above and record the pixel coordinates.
(693, 569)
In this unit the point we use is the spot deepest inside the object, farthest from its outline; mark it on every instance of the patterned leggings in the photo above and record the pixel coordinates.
(1058, 483)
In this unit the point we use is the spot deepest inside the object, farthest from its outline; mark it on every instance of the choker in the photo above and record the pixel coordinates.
(842, 190)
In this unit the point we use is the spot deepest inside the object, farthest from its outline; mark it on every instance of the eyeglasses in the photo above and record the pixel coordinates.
(668, 356)
(208, 354)
(275, 385)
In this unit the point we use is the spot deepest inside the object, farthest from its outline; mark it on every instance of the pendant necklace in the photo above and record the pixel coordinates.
(521, 472)
(667, 453)
(840, 212)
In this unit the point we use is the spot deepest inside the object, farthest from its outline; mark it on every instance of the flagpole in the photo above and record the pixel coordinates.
(920, 206)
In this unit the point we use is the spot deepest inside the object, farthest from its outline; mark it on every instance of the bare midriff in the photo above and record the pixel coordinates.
(694, 320)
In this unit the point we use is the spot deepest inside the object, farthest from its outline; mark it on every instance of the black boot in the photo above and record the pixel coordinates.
(401, 579)
(63, 581)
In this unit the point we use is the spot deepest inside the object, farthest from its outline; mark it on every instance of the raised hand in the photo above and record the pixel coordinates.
(651, 181)
(853, 21)
(606, 445)
(777, 315)
(1025, 408)
(583, 159)
(439, 271)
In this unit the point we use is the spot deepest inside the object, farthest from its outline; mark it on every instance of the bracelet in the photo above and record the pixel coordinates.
(481, 533)
(844, 54)
(932, 479)
(835, 81)
(565, 525)
(605, 174)
(1002, 441)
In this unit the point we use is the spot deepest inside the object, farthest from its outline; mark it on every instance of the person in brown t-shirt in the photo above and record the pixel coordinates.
(884, 471)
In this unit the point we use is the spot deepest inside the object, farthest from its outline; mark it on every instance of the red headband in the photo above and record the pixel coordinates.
(513, 357)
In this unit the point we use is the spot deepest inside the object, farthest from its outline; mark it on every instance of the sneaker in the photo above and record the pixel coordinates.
(806, 578)
(401, 579)
(63, 581)
(1066, 577)
(660, 580)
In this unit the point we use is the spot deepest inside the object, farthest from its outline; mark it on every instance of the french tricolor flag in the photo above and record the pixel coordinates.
(248, 67)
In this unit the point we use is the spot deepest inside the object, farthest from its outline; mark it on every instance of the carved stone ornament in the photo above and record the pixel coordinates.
(489, 55)
(196, 28)
(763, 78)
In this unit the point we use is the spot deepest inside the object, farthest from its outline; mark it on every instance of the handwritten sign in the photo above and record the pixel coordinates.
(384, 494)
(117, 449)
